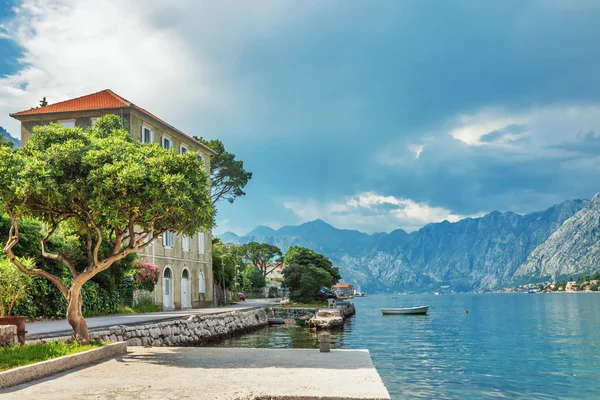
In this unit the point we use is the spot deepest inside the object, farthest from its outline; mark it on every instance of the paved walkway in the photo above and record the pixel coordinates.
(37, 330)
(216, 374)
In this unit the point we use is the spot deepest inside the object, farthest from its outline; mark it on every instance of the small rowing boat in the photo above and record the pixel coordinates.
(421, 310)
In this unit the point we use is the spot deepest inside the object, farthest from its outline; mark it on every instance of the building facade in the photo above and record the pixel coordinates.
(186, 262)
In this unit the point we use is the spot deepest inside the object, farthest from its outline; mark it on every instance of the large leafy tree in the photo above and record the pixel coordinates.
(105, 186)
(227, 175)
(263, 256)
(297, 255)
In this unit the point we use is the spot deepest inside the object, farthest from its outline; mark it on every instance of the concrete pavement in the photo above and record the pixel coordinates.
(37, 330)
(216, 374)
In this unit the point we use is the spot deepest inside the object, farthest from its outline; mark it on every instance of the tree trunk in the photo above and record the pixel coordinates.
(74, 315)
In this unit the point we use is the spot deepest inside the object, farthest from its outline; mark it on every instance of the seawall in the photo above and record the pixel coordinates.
(192, 331)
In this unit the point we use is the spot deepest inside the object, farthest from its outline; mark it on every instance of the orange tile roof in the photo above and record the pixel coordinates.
(103, 100)
(342, 285)
(106, 99)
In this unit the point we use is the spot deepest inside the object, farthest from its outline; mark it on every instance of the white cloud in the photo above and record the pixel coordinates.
(176, 59)
(371, 212)
(417, 149)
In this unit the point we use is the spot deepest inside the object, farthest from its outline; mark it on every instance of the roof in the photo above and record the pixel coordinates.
(342, 285)
(103, 100)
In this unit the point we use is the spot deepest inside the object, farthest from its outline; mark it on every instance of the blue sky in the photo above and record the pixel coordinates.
(369, 115)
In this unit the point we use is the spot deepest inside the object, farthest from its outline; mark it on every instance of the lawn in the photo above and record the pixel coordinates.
(17, 356)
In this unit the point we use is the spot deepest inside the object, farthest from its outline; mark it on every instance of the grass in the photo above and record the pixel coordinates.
(18, 356)
(316, 304)
(146, 305)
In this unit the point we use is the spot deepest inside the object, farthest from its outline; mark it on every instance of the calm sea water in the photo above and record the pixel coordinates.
(542, 346)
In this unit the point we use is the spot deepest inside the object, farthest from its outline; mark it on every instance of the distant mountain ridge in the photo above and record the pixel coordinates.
(7, 135)
(468, 255)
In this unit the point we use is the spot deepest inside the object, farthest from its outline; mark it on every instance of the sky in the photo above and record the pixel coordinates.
(373, 115)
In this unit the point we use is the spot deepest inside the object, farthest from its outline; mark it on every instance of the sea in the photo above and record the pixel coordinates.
(469, 346)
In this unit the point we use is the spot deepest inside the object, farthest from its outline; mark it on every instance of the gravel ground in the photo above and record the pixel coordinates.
(216, 373)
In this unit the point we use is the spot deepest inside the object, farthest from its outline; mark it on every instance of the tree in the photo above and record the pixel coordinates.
(305, 281)
(5, 141)
(253, 277)
(106, 187)
(227, 175)
(262, 255)
(303, 256)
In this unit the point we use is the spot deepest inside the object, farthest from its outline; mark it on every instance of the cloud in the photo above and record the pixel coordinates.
(371, 212)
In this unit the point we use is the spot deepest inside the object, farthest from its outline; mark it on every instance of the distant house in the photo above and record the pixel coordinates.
(572, 286)
(343, 289)
(594, 282)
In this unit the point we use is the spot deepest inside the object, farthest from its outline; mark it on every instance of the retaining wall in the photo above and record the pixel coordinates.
(195, 330)
(346, 309)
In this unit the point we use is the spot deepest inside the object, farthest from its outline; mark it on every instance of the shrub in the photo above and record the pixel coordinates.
(146, 304)
(13, 286)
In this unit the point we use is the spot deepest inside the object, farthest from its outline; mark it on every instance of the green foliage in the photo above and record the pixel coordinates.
(18, 356)
(125, 310)
(226, 262)
(145, 305)
(273, 290)
(297, 255)
(305, 281)
(44, 300)
(261, 255)
(5, 142)
(13, 286)
(228, 176)
(253, 278)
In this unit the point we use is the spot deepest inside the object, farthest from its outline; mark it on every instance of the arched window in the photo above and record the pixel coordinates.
(201, 288)
(185, 274)
(167, 281)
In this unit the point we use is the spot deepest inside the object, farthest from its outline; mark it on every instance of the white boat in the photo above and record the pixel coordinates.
(421, 310)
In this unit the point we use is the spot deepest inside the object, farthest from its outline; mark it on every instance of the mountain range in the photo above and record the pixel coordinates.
(473, 254)
(7, 135)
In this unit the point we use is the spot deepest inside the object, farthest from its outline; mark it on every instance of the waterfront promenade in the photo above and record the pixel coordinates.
(215, 374)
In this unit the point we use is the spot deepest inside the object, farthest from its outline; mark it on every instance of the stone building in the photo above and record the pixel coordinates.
(186, 262)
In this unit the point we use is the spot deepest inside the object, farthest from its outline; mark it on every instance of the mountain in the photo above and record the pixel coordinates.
(7, 135)
(471, 254)
(573, 249)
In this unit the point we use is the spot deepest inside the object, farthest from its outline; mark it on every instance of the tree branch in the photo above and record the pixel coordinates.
(57, 257)
(13, 239)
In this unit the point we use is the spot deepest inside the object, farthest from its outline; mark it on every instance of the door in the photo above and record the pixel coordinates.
(167, 290)
(185, 289)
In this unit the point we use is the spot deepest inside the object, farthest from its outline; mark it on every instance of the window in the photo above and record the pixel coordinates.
(201, 242)
(201, 288)
(168, 239)
(167, 143)
(149, 239)
(182, 149)
(147, 135)
(185, 243)
(68, 123)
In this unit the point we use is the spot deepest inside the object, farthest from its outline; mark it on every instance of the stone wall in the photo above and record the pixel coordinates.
(8, 335)
(346, 309)
(195, 330)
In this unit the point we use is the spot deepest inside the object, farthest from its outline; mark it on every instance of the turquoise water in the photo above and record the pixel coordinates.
(517, 346)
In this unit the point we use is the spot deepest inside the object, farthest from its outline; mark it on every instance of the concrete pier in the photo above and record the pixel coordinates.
(215, 374)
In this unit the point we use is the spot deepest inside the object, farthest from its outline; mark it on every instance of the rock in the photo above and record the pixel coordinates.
(327, 319)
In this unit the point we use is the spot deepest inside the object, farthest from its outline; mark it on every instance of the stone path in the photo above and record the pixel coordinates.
(37, 330)
(216, 374)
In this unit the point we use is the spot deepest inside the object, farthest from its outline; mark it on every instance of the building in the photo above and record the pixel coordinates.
(572, 286)
(186, 262)
(343, 289)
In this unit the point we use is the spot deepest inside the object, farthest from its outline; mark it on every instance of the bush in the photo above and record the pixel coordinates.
(13, 286)
(146, 304)
(44, 300)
